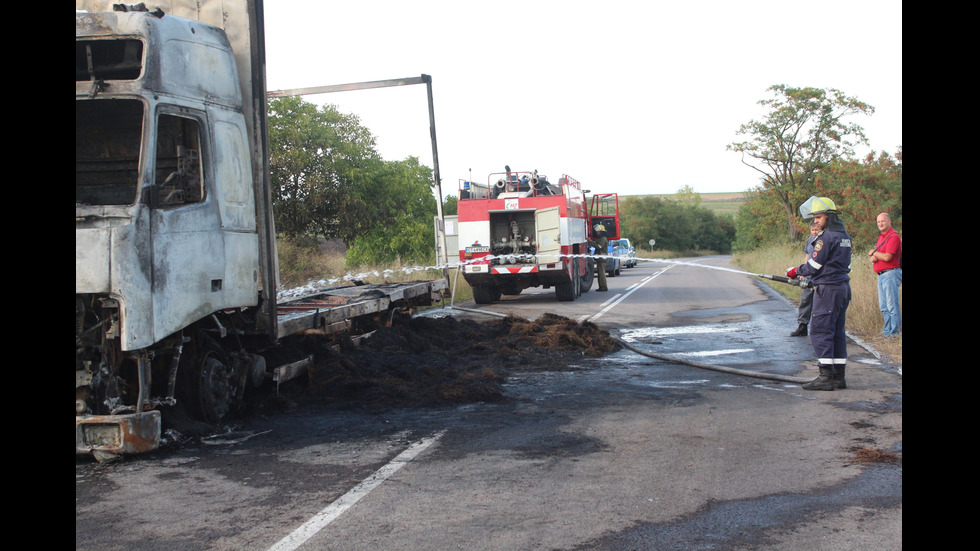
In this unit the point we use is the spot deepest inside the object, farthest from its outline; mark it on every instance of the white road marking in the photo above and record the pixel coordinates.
(346, 501)
(609, 304)
(706, 353)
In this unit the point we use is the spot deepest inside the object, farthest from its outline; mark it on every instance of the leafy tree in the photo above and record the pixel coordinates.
(450, 205)
(802, 134)
(318, 158)
(865, 188)
(400, 206)
(329, 181)
(861, 188)
(679, 224)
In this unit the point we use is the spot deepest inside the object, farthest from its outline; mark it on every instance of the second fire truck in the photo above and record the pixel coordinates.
(522, 230)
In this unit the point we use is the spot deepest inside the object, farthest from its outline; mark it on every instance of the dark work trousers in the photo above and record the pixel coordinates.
(827, 335)
(806, 306)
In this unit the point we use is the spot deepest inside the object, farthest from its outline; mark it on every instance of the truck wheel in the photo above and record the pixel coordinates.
(589, 275)
(576, 279)
(210, 383)
(565, 291)
(485, 294)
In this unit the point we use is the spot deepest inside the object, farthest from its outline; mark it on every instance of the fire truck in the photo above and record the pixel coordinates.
(522, 230)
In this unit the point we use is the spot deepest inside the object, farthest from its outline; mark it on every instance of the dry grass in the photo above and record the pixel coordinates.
(863, 316)
(872, 455)
(305, 262)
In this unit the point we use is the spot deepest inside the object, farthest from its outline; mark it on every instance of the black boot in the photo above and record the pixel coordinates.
(839, 382)
(800, 331)
(824, 381)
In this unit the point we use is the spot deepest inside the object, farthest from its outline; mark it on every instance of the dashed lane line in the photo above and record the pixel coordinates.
(611, 303)
(346, 501)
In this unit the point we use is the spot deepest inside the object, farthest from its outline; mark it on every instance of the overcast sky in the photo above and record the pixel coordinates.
(632, 97)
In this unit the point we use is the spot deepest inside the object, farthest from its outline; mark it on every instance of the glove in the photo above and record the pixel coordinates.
(791, 273)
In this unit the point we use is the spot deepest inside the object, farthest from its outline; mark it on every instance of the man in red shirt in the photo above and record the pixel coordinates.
(886, 260)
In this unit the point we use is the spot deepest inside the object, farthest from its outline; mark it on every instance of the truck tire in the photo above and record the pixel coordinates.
(576, 279)
(565, 291)
(589, 276)
(485, 294)
(210, 382)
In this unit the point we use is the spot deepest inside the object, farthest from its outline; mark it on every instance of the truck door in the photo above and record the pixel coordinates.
(187, 246)
(604, 209)
(547, 223)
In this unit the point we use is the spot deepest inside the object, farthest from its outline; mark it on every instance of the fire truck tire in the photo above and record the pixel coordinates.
(485, 294)
(577, 279)
(589, 275)
(565, 291)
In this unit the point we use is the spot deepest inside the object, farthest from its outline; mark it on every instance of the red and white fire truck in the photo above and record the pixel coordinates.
(521, 230)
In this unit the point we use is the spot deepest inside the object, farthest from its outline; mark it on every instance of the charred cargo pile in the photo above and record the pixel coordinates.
(440, 361)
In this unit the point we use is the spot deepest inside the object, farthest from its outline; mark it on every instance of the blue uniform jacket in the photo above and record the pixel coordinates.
(830, 261)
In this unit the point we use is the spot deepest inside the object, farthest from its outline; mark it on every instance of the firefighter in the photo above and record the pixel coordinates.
(601, 249)
(827, 267)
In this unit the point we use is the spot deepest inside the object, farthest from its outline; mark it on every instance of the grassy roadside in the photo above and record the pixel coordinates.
(863, 316)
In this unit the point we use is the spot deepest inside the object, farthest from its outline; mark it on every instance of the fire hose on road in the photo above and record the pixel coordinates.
(719, 368)
(731, 370)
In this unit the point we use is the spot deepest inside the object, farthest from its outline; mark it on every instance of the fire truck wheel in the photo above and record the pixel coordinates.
(576, 279)
(565, 291)
(589, 275)
(485, 294)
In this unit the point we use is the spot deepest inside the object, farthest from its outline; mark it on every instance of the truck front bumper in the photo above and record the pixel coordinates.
(117, 434)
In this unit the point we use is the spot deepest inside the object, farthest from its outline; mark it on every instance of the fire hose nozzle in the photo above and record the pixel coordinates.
(783, 279)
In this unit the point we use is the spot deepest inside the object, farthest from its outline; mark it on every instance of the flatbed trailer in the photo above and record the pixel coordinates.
(336, 309)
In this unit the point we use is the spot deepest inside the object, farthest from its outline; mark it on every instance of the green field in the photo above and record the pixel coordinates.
(718, 203)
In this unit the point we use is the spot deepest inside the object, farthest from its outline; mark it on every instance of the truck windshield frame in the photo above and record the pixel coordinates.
(108, 59)
(108, 149)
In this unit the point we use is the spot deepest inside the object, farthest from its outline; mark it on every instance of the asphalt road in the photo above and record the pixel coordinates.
(625, 452)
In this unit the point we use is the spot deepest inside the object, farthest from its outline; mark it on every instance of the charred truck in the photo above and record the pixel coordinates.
(521, 230)
(176, 276)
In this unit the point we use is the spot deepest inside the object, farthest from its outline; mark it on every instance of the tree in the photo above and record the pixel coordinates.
(450, 205)
(801, 135)
(680, 224)
(318, 158)
(861, 189)
(398, 206)
(329, 181)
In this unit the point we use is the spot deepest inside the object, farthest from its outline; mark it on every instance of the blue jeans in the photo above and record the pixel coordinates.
(888, 284)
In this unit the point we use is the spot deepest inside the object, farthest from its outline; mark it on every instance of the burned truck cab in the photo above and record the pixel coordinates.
(165, 213)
